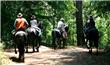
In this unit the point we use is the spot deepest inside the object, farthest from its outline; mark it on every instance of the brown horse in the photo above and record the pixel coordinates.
(33, 38)
(92, 37)
(20, 40)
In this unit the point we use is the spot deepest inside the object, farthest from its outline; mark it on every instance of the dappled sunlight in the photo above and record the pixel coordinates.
(69, 56)
(48, 56)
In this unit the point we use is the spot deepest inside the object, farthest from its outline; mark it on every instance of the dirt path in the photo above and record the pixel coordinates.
(69, 56)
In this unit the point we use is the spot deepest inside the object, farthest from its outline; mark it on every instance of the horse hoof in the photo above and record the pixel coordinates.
(37, 50)
(16, 52)
(21, 60)
(33, 50)
(26, 51)
(90, 52)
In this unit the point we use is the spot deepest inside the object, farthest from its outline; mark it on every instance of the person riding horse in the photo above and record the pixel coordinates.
(89, 24)
(91, 34)
(34, 24)
(34, 34)
(61, 25)
(59, 34)
(20, 23)
(20, 36)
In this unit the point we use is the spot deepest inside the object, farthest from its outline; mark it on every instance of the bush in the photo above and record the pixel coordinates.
(4, 60)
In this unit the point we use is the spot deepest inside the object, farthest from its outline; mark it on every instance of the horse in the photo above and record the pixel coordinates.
(33, 38)
(20, 39)
(92, 36)
(59, 37)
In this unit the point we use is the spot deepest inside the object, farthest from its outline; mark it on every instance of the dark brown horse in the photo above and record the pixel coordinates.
(20, 39)
(91, 35)
(33, 38)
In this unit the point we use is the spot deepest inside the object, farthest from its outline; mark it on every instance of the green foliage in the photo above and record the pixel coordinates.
(100, 11)
(47, 11)
(50, 12)
(4, 60)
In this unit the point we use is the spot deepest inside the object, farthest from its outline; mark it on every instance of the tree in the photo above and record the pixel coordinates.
(79, 23)
(47, 11)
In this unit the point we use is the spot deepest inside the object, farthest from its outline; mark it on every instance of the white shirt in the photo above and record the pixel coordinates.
(60, 24)
(33, 23)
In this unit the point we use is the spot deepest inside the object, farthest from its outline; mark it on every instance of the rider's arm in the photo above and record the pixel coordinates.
(36, 22)
(26, 22)
(15, 23)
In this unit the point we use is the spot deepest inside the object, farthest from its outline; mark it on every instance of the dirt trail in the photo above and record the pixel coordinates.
(69, 56)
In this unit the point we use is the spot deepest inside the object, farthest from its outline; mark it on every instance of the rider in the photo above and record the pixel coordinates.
(61, 25)
(34, 24)
(20, 23)
(90, 24)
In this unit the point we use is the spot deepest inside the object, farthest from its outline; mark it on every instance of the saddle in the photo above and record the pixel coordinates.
(89, 29)
(56, 29)
(33, 29)
(14, 32)
(20, 32)
(62, 33)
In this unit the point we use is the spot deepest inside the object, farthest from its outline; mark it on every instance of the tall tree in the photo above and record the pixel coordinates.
(79, 23)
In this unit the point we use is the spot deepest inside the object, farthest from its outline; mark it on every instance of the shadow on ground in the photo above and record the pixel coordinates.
(84, 58)
(69, 56)
(14, 59)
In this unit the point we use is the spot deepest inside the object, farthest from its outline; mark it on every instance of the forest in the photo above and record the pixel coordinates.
(50, 13)
(75, 14)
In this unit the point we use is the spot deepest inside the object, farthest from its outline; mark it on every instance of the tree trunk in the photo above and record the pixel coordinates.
(79, 23)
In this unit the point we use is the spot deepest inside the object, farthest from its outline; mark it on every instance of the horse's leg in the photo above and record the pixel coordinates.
(53, 42)
(14, 40)
(38, 43)
(64, 41)
(15, 50)
(27, 46)
(34, 42)
(19, 50)
(87, 44)
(59, 43)
(21, 53)
(90, 49)
(96, 45)
(56, 43)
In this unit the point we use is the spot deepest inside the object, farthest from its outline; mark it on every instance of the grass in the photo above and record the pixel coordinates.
(4, 60)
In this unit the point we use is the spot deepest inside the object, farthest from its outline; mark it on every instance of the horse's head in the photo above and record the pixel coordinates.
(66, 28)
(40, 25)
(65, 31)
